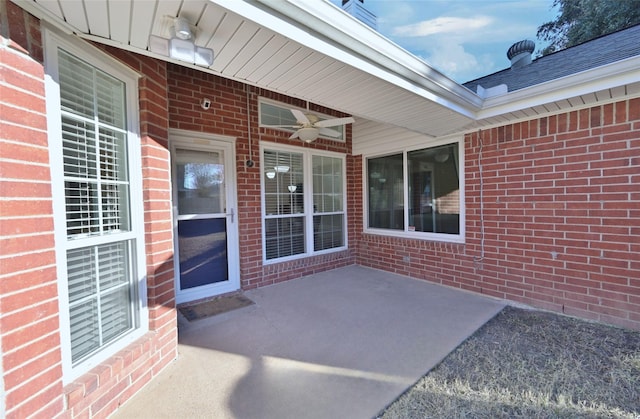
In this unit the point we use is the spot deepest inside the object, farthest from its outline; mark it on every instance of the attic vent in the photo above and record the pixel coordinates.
(520, 53)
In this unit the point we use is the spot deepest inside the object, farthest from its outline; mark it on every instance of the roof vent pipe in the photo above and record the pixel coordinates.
(520, 53)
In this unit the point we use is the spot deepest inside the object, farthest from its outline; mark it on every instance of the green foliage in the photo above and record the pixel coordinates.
(582, 20)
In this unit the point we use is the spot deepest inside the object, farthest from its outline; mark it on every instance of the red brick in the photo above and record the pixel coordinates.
(16, 338)
(34, 260)
(15, 245)
(34, 385)
(31, 368)
(47, 401)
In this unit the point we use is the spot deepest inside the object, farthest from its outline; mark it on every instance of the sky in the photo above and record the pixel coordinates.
(463, 39)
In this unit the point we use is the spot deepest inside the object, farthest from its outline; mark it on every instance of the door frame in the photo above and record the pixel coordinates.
(193, 140)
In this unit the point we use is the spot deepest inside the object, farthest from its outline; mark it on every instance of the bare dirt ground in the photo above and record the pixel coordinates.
(532, 364)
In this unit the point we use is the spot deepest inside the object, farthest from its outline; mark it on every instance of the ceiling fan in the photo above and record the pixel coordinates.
(310, 126)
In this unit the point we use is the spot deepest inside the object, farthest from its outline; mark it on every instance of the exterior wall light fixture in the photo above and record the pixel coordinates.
(181, 46)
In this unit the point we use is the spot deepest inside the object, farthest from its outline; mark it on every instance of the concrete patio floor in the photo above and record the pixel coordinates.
(339, 344)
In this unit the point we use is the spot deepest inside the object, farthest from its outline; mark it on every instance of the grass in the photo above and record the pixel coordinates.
(531, 364)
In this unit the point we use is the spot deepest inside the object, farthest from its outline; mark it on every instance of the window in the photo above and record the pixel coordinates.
(303, 203)
(99, 238)
(328, 199)
(279, 116)
(416, 192)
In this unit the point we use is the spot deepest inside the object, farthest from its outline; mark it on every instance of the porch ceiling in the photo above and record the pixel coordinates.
(314, 51)
(257, 43)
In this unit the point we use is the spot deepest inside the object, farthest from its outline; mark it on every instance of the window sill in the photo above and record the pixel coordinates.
(266, 262)
(434, 237)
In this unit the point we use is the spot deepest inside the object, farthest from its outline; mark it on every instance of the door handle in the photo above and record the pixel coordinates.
(231, 214)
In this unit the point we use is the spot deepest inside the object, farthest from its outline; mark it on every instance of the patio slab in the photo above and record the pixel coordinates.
(342, 343)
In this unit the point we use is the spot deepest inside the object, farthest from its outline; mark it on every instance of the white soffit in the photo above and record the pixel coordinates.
(312, 50)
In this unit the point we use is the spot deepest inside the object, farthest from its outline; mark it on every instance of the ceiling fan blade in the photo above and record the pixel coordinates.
(328, 132)
(334, 122)
(283, 126)
(300, 117)
(294, 135)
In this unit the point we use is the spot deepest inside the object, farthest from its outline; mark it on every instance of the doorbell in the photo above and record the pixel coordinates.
(206, 104)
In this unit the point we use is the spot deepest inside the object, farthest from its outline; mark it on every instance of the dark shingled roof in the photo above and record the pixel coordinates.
(591, 54)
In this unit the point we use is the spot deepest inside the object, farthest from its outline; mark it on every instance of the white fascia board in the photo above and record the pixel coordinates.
(313, 24)
(590, 81)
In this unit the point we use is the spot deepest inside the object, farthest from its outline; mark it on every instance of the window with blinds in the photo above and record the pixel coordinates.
(100, 246)
(303, 201)
(284, 204)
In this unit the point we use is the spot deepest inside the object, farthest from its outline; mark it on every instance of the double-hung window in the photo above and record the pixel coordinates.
(416, 193)
(303, 198)
(95, 166)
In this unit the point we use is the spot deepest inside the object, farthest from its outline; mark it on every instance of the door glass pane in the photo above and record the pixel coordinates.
(203, 252)
(200, 182)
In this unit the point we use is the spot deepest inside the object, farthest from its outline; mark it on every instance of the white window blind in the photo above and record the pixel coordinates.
(100, 252)
(284, 204)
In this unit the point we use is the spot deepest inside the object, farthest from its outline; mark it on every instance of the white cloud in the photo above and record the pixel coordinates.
(452, 59)
(464, 39)
(442, 25)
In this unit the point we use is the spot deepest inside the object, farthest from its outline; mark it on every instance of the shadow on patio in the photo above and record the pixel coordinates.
(342, 343)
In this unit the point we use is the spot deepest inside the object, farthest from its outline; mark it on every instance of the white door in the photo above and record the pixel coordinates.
(205, 221)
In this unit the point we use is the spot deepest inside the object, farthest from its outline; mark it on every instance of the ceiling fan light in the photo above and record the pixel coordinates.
(442, 156)
(308, 134)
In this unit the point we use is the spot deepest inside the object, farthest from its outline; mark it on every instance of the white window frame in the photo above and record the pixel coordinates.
(53, 41)
(307, 156)
(284, 106)
(406, 233)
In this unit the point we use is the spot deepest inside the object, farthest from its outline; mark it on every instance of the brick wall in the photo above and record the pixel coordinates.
(228, 116)
(31, 356)
(561, 217)
(29, 319)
